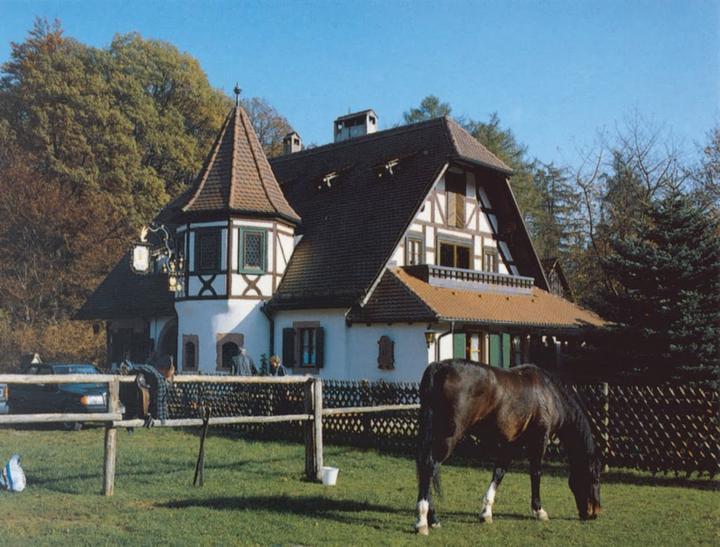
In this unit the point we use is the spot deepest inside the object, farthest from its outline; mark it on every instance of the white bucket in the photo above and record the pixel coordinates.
(329, 475)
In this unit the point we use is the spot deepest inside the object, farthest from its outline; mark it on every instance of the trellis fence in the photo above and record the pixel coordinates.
(664, 428)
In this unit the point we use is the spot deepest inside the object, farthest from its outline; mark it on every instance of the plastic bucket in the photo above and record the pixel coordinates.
(329, 475)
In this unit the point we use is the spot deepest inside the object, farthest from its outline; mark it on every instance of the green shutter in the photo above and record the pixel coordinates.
(459, 345)
(288, 347)
(320, 347)
(505, 350)
(495, 349)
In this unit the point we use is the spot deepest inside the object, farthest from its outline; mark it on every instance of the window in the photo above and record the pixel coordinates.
(190, 352)
(455, 190)
(207, 251)
(229, 350)
(252, 251)
(304, 345)
(414, 250)
(454, 255)
(490, 259)
(227, 346)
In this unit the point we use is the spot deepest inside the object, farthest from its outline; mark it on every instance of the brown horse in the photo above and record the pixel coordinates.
(523, 406)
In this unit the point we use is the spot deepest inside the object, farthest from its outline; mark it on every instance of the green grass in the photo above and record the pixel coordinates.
(254, 493)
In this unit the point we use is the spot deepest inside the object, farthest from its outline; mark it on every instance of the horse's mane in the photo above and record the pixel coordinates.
(576, 414)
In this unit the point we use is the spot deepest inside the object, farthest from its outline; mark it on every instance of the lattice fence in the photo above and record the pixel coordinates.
(668, 428)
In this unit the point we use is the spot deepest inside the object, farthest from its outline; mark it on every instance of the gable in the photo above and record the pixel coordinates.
(356, 199)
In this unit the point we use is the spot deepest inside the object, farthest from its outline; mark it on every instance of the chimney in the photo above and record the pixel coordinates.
(355, 125)
(292, 143)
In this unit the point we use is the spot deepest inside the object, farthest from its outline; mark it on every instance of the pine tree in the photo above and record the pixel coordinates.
(667, 297)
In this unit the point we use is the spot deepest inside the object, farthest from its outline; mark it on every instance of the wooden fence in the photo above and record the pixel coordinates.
(205, 400)
(666, 428)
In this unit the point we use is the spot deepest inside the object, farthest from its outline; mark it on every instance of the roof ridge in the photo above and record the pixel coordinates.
(206, 167)
(255, 160)
(364, 138)
(231, 190)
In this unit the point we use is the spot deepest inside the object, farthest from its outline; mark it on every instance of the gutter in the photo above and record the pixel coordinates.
(269, 314)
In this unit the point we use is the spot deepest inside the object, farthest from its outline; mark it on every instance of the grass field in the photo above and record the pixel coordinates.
(253, 493)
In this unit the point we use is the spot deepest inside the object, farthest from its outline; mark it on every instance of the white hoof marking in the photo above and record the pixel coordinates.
(422, 524)
(541, 515)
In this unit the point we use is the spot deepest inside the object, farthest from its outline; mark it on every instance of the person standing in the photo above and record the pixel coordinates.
(276, 367)
(244, 365)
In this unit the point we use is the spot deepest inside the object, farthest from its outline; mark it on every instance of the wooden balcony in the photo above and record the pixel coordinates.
(459, 278)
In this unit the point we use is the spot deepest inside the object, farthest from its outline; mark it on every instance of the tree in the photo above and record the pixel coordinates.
(430, 107)
(706, 177)
(131, 123)
(269, 125)
(667, 279)
(555, 227)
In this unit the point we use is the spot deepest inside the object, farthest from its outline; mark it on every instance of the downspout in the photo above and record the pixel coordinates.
(271, 319)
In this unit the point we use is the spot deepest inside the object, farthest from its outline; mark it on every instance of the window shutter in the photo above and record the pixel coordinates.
(320, 342)
(288, 347)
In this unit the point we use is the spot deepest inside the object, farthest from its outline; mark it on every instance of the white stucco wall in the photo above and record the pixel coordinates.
(207, 318)
(351, 353)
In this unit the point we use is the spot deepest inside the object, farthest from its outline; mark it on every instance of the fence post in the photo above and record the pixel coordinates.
(606, 426)
(113, 406)
(313, 430)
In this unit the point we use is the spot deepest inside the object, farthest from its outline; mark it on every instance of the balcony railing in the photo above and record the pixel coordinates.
(445, 276)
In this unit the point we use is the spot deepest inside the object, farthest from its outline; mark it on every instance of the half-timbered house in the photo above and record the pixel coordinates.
(365, 258)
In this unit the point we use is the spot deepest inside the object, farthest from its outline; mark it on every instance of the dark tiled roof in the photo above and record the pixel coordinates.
(409, 298)
(467, 147)
(351, 227)
(236, 177)
(124, 295)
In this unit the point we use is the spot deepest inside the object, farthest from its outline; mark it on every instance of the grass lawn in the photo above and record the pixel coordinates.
(253, 493)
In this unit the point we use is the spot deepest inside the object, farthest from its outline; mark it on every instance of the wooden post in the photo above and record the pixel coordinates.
(313, 430)
(111, 439)
(318, 427)
(606, 426)
(199, 479)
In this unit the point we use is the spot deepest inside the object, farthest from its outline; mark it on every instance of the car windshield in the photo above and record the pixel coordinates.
(74, 369)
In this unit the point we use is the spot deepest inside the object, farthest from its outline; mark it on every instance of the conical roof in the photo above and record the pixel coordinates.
(236, 177)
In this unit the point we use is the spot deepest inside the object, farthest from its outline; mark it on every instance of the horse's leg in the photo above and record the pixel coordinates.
(428, 469)
(489, 499)
(536, 451)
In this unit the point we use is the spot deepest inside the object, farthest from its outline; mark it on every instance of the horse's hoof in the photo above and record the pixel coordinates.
(541, 515)
(487, 519)
(435, 524)
(422, 530)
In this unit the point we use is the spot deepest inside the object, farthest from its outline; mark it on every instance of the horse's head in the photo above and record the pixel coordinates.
(585, 485)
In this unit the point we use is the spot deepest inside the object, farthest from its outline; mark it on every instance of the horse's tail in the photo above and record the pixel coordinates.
(424, 462)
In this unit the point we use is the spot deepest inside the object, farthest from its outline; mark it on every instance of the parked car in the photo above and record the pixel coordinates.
(69, 398)
(3, 399)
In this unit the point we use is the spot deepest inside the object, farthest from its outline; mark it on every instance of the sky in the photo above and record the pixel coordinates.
(556, 72)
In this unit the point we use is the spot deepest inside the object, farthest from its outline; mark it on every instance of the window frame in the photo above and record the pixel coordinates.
(414, 238)
(454, 243)
(488, 252)
(242, 268)
(199, 234)
(195, 341)
(318, 341)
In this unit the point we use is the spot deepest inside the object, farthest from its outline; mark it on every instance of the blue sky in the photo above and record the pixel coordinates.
(555, 71)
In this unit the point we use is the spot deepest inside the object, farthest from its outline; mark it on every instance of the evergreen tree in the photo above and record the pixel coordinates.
(667, 298)
(430, 107)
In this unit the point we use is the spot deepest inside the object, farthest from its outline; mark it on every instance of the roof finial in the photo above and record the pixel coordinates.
(237, 92)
